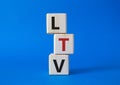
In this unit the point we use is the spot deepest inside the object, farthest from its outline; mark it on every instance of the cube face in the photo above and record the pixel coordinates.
(63, 44)
(58, 64)
(56, 23)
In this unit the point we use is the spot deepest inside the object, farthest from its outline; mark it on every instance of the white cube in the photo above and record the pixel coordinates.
(58, 64)
(56, 23)
(63, 43)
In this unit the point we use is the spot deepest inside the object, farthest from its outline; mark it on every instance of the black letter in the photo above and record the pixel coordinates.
(53, 24)
(56, 65)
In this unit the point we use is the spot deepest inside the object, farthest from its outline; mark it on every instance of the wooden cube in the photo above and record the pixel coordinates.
(58, 64)
(56, 23)
(63, 44)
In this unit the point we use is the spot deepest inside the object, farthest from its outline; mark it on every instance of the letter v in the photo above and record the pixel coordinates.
(58, 69)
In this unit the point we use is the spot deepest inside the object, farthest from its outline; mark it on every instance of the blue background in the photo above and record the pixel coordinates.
(25, 46)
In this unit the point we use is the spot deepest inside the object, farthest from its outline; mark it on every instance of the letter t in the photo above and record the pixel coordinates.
(63, 43)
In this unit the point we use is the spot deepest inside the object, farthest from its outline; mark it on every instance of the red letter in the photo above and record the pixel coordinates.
(63, 42)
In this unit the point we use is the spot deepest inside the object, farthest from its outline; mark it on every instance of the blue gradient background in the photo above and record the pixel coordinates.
(25, 46)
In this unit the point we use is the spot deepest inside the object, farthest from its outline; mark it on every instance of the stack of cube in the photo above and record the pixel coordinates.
(63, 44)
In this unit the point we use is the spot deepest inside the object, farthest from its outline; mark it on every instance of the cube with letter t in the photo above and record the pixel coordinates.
(63, 44)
